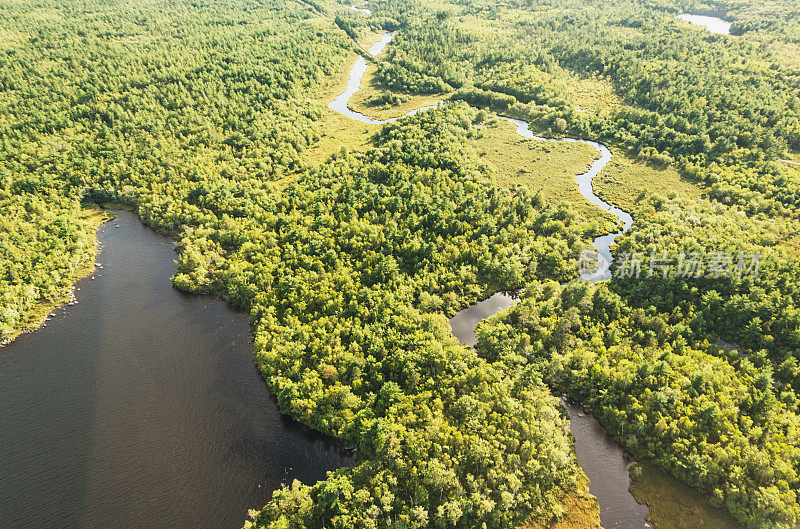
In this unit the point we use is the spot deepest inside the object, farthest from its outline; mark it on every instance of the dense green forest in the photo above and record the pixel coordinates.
(723, 111)
(196, 115)
(659, 359)
(662, 391)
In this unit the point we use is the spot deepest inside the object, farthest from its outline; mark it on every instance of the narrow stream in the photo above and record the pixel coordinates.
(340, 104)
(602, 243)
(464, 322)
(603, 461)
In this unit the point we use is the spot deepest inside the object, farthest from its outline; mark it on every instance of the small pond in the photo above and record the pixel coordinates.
(712, 24)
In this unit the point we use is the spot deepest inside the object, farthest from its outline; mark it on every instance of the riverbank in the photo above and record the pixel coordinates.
(337, 131)
(622, 508)
(586, 516)
(41, 313)
(606, 464)
(672, 504)
(142, 405)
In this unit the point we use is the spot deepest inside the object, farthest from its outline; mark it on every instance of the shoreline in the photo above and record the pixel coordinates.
(43, 311)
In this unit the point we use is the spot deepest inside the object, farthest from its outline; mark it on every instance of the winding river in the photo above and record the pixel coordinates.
(340, 104)
(624, 219)
(602, 244)
(604, 462)
(141, 407)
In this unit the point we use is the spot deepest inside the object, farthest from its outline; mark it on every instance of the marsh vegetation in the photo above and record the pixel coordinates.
(351, 246)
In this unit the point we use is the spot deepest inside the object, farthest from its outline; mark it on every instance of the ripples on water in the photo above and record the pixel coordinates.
(141, 407)
(606, 465)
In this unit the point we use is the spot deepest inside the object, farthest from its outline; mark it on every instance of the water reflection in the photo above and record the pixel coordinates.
(141, 406)
(606, 465)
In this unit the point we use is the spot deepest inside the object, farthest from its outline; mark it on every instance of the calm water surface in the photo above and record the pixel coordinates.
(606, 465)
(712, 24)
(464, 322)
(140, 407)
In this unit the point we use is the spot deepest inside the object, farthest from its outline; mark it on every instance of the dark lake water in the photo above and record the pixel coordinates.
(140, 407)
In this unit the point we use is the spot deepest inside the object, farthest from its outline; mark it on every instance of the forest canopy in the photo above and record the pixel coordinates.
(197, 115)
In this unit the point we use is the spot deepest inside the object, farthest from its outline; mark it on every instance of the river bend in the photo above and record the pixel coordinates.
(603, 461)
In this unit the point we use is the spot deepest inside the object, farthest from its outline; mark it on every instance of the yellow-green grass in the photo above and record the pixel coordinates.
(369, 88)
(674, 505)
(368, 39)
(543, 166)
(36, 317)
(581, 511)
(626, 182)
(336, 130)
(792, 169)
(787, 54)
(42, 14)
(791, 244)
(587, 94)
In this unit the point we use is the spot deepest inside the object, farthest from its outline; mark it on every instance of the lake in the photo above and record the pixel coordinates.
(712, 24)
(141, 407)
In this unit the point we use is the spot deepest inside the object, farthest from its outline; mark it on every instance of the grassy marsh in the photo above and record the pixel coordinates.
(674, 505)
